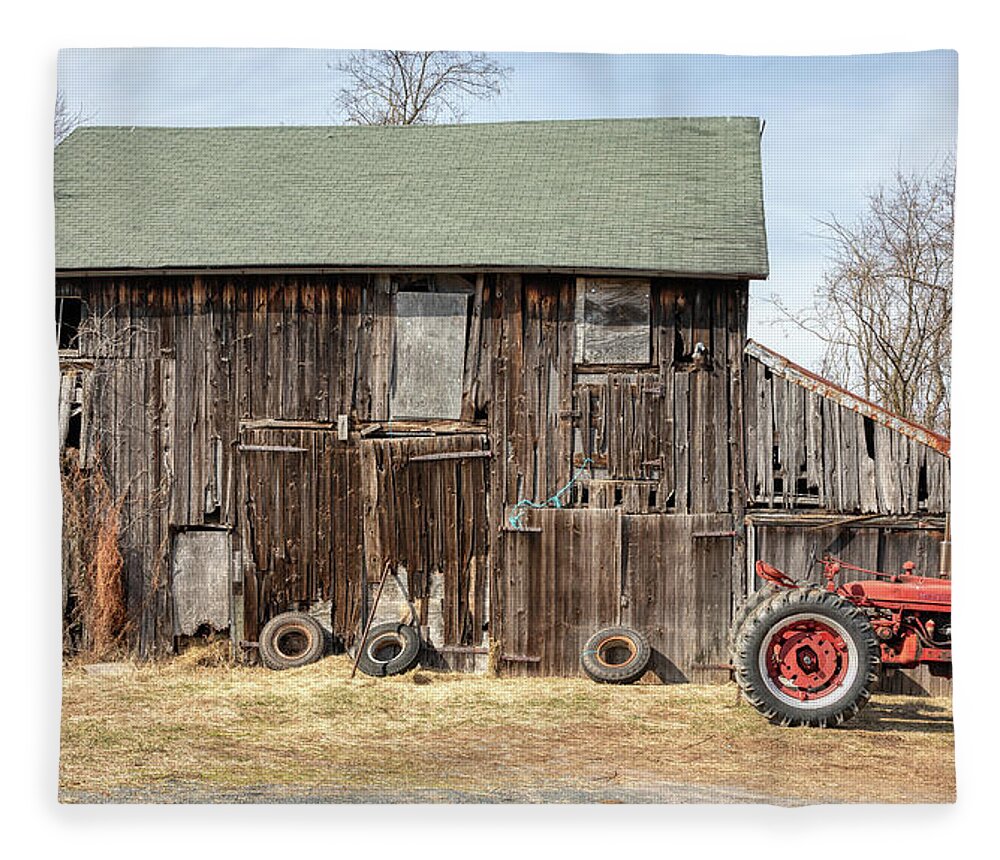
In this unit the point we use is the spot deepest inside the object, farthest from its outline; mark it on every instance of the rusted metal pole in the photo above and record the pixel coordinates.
(371, 616)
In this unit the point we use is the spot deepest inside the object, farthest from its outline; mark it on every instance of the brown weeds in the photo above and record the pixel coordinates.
(93, 588)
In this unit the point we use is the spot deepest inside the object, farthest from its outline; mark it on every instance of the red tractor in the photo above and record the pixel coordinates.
(809, 655)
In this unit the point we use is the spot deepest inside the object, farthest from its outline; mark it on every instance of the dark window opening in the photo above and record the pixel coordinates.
(651, 501)
(922, 493)
(69, 316)
(584, 495)
(619, 496)
(74, 429)
(802, 487)
(869, 437)
(681, 352)
(775, 457)
(779, 485)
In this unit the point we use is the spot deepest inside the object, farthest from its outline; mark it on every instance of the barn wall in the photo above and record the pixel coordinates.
(655, 440)
(187, 384)
(220, 403)
(808, 450)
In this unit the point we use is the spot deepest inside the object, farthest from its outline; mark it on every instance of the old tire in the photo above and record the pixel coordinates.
(390, 649)
(290, 640)
(765, 592)
(807, 657)
(615, 655)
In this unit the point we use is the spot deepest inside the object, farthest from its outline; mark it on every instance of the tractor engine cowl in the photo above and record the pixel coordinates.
(917, 593)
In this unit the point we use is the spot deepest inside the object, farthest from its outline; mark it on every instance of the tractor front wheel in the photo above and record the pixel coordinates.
(807, 657)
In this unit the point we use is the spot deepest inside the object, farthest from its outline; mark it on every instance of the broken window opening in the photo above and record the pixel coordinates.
(869, 426)
(922, 492)
(74, 430)
(681, 352)
(70, 314)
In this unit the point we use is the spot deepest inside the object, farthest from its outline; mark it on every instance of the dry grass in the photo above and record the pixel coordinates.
(228, 727)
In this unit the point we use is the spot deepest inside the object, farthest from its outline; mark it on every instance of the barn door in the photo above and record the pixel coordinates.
(301, 517)
(678, 590)
(425, 515)
(564, 584)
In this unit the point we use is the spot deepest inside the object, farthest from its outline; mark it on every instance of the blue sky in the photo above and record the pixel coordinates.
(836, 126)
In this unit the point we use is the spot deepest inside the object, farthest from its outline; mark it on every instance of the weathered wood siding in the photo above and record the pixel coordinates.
(425, 510)
(300, 498)
(181, 374)
(564, 582)
(805, 449)
(677, 590)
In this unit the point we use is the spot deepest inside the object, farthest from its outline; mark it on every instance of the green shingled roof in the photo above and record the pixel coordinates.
(680, 196)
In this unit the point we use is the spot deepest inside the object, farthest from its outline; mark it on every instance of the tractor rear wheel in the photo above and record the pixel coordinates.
(765, 592)
(807, 657)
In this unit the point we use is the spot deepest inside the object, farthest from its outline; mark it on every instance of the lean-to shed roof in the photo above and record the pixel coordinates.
(669, 196)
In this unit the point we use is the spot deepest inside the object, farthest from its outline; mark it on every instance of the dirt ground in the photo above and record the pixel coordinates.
(179, 732)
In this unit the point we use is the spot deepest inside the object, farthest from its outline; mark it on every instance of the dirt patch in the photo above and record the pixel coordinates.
(312, 732)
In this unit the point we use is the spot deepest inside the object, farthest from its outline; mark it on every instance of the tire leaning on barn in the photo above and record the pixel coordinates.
(807, 657)
(290, 640)
(615, 655)
(390, 649)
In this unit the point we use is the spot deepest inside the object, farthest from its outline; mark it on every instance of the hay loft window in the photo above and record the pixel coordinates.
(429, 355)
(70, 312)
(612, 321)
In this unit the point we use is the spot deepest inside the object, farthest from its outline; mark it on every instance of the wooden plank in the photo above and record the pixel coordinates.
(682, 447)
(765, 438)
(473, 352)
(451, 455)
(814, 445)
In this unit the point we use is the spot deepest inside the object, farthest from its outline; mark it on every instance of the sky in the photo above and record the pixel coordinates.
(835, 127)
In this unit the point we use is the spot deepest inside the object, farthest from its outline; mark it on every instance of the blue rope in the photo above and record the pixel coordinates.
(553, 501)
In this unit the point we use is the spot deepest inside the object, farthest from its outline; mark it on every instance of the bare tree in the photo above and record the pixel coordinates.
(66, 118)
(884, 310)
(415, 87)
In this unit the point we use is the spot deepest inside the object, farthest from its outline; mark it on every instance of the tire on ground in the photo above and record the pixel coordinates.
(615, 655)
(830, 653)
(290, 640)
(390, 649)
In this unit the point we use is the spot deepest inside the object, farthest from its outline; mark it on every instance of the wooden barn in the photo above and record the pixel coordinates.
(299, 355)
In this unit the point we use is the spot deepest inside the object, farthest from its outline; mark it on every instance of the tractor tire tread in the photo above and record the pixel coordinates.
(745, 656)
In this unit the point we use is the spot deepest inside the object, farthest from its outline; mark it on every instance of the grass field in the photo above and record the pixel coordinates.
(177, 731)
